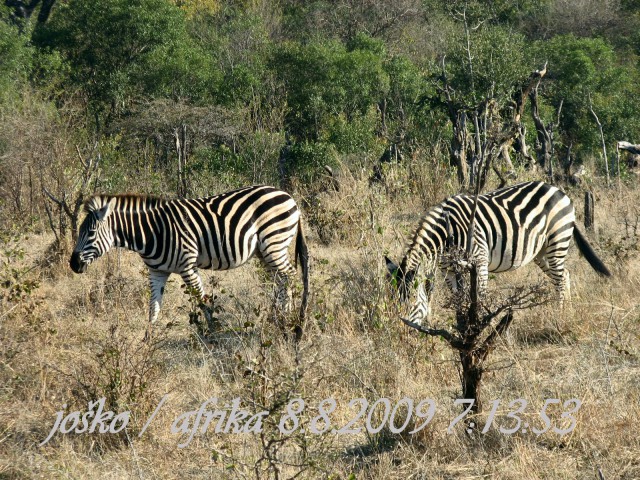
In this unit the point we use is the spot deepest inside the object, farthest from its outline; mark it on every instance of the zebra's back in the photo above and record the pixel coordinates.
(227, 229)
(516, 222)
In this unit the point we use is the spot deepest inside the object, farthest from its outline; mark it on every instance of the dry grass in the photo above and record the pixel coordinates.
(76, 338)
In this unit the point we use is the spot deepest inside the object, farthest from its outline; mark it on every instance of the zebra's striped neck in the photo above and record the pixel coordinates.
(438, 230)
(127, 218)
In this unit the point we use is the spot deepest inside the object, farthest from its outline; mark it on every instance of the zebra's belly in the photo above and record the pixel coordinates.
(506, 264)
(228, 256)
(504, 260)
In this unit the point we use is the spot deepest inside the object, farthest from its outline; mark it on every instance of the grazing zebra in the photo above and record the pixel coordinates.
(513, 226)
(182, 235)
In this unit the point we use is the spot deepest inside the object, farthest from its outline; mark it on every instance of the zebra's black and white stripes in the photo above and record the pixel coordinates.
(183, 235)
(531, 221)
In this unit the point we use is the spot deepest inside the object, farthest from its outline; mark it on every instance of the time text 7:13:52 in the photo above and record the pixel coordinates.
(398, 417)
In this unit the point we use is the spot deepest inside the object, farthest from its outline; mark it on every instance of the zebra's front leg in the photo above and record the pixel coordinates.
(483, 278)
(157, 282)
(196, 291)
(193, 282)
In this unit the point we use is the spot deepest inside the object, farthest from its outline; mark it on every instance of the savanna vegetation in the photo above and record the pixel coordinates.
(368, 112)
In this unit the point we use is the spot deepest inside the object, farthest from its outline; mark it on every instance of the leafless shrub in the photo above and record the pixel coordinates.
(122, 368)
(583, 18)
(478, 325)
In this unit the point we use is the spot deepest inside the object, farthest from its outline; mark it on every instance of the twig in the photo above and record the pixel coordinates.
(453, 340)
(604, 145)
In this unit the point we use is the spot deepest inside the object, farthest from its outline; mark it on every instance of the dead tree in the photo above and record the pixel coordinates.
(486, 130)
(633, 149)
(479, 323)
(589, 210)
(69, 201)
(545, 147)
(519, 103)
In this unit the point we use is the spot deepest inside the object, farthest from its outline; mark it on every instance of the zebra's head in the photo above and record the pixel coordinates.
(400, 279)
(95, 236)
(406, 282)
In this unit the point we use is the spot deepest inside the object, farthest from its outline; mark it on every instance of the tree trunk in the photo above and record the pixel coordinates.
(472, 371)
(603, 143)
(543, 143)
(589, 208)
(459, 143)
(180, 135)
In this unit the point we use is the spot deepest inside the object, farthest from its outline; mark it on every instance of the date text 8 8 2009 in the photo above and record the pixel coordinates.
(398, 417)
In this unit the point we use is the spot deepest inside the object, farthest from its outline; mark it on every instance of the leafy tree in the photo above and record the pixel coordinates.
(584, 72)
(487, 61)
(346, 19)
(15, 56)
(324, 79)
(122, 48)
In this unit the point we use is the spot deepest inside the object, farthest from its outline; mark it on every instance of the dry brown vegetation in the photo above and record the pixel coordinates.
(70, 339)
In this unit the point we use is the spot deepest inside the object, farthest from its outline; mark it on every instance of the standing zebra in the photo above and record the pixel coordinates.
(182, 235)
(513, 226)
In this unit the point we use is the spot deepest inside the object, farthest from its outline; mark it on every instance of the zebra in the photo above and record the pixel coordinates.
(183, 235)
(513, 226)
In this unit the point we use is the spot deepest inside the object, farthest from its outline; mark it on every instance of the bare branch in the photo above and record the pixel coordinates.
(453, 340)
(50, 195)
(604, 145)
(629, 147)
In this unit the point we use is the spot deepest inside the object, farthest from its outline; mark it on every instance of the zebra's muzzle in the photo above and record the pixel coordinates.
(76, 263)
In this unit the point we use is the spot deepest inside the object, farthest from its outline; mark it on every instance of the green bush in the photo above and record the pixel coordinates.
(306, 160)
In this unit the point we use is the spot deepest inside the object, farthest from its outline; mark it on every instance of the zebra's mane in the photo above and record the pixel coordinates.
(141, 201)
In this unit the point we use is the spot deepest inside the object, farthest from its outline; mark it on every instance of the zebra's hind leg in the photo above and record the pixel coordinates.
(282, 304)
(553, 267)
(283, 271)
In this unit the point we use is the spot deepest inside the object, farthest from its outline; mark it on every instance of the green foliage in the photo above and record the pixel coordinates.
(357, 135)
(307, 159)
(405, 115)
(324, 79)
(237, 41)
(15, 58)
(119, 49)
(584, 70)
(498, 64)
(221, 163)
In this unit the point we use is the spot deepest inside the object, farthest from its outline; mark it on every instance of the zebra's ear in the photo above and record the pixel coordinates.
(392, 267)
(106, 210)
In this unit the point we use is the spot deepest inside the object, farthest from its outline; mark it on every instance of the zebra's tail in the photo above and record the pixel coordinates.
(587, 250)
(302, 255)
